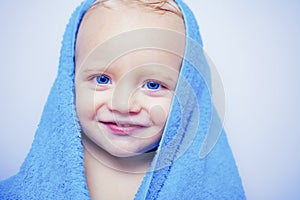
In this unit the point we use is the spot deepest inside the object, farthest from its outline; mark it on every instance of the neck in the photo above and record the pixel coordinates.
(95, 155)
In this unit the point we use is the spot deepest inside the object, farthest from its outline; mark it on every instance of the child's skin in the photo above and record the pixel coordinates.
(123, 107)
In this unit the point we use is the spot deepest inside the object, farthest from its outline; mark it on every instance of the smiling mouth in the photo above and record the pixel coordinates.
(122, 129)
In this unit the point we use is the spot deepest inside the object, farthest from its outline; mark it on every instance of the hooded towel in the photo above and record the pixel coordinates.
(193, 159)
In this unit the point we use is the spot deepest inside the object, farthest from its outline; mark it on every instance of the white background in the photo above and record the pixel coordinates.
(255, 46)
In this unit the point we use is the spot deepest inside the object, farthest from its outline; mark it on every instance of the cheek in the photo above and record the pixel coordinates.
(160, 112)
(84, 104)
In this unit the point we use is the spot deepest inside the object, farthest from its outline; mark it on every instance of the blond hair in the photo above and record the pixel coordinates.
(159, 6)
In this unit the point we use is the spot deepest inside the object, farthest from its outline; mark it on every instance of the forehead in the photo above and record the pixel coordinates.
(128, 28)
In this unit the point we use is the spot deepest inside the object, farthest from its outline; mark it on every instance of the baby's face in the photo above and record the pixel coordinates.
(123, 99)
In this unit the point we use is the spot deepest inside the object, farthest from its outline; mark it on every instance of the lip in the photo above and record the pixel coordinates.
(122, 129)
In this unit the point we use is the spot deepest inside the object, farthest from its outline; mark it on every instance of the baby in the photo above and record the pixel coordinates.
(123, 99)
(130, 114)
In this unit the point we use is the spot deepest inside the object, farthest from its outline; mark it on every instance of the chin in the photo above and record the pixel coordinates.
(127, 153)
(123, 154)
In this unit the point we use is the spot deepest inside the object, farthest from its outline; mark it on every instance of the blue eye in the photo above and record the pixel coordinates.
(102, 79)
(152, 85)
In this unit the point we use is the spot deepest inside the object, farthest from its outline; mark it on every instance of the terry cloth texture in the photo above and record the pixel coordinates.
(193, 160)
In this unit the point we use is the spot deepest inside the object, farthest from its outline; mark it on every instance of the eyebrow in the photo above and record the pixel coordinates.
(143, 72)
(93, 69)
(166, 76)
(87, 71)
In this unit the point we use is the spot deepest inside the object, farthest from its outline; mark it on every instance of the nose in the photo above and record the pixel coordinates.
(124, 99)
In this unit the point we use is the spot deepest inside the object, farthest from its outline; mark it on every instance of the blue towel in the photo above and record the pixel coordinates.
(193, 160)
